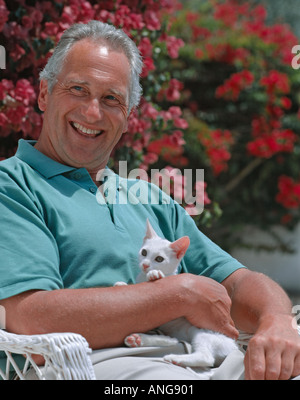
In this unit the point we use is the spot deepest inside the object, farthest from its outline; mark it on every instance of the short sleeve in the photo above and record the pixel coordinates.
(29, 258)
(203, 256)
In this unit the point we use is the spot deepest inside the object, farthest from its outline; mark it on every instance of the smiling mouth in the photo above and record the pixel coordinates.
(82, 130)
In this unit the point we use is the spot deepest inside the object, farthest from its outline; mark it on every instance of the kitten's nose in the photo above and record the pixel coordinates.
(145, 267)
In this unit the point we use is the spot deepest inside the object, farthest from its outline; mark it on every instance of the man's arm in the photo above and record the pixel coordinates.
(260, 306)
(105, 316)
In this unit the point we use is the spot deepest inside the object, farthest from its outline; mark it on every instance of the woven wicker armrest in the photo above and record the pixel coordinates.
(66, 356)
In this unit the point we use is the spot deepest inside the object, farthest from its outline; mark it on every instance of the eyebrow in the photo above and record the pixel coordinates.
(77, 81)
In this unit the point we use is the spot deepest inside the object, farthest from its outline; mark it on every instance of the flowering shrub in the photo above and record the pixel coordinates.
(240, 100)
(29, 30)
(219, 94)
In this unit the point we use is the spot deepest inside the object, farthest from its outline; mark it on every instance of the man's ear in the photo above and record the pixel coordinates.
(129, 115)
(43, 95)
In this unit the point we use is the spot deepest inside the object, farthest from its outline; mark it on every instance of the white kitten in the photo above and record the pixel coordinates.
(159, 258)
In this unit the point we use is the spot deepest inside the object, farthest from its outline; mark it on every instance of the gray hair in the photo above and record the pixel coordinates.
(97, 31)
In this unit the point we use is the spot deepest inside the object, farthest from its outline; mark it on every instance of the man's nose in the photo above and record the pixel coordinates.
(92, 110)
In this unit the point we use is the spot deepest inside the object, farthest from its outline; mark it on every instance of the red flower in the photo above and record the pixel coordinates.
(232, 87)
(217, 144)
(229, 12)
(24, 92)
(51, 29)
(4, 13)
(5, 86)
(148, 65)
(175, 114)
(200, 33)
(145, 47)
(173, 44)
(127, 20)
(168, 146)
(151, 20)
(3, 119)
(276, 82)
(286, 103)
(270, 144)
(289, 192)
(173, 91)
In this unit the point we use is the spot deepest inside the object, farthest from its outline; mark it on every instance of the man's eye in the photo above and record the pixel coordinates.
(112, 100)
(78, 90)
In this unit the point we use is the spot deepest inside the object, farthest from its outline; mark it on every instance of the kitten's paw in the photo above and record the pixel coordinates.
(173, 359)
(154, 275)
(120, 284)
(133, 340)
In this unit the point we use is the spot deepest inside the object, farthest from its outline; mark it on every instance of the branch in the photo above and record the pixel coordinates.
(243, 174)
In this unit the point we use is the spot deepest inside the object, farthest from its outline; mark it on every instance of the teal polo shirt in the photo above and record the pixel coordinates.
(58, 231)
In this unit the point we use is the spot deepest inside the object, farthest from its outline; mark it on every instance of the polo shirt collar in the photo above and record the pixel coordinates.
(38, 161)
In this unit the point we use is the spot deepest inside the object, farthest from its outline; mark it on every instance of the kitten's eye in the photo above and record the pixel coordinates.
(159, 259)
(144, 252)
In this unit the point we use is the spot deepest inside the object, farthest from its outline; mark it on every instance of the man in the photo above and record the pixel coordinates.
(62, 251)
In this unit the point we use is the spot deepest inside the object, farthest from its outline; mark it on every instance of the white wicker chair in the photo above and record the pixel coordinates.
(66, 356)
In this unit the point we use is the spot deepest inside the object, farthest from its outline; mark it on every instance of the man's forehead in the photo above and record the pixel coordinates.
(100, 47)
(89, 54)
(103, 50)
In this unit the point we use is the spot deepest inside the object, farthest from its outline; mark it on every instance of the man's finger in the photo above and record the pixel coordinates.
(232, 331)
(287, 365)
(273, 363)
(296, 369)
(255, 365)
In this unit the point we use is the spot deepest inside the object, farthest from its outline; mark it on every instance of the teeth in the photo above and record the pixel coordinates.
(85, 130)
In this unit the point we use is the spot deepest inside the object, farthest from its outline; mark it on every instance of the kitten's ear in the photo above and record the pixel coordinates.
(150, 232)
(180, 246)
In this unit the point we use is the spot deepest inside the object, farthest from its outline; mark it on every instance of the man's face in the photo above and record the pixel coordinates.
(86, 113)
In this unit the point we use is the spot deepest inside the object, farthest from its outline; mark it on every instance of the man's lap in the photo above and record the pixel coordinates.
(147, 363)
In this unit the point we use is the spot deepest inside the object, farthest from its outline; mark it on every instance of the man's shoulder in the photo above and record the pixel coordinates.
(13, 172)
(9, 167)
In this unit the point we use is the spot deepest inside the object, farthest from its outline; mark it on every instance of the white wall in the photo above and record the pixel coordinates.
(283, 268)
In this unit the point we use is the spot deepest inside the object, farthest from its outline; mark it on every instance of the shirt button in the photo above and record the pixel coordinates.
(92, 189)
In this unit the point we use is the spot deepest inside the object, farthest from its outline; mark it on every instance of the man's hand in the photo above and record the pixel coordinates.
(260, 306)
(208, 304)
(274, 351)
